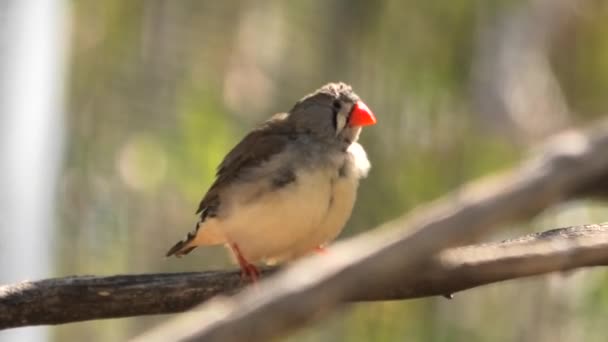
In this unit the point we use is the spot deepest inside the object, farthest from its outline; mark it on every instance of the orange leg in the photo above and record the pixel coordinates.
(321, 250)
(248, 271)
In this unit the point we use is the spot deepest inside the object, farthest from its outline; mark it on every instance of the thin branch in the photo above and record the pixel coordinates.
(71, 299)
(80, 298)
(463, 268)
(312, 288)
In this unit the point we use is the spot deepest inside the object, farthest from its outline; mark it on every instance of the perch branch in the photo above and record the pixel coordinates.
(571, 165)
(71, 299)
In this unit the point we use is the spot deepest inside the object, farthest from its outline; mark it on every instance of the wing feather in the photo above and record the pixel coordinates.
(256, 148)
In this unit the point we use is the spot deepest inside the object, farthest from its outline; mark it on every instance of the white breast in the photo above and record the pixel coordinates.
(289, 222)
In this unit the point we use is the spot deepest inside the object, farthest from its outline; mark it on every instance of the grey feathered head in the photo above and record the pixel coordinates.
(332, 113)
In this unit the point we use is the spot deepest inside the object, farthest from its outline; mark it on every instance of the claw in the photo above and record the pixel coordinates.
(248, 271)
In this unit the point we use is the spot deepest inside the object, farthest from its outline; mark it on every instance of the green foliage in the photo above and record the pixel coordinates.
(203, 139)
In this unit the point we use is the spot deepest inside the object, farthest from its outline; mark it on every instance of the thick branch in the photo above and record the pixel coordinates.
(71, 299)
(311, 288)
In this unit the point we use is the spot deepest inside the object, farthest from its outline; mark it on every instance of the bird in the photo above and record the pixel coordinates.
(289, 186)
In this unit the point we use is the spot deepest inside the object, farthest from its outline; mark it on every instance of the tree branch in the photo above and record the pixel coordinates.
(467, 267)
(71, 299)
(570, 165)
(80, 298)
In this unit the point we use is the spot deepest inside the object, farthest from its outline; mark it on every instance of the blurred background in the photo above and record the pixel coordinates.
(114, 115)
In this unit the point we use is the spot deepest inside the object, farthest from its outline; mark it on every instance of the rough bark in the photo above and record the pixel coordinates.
(79, 298)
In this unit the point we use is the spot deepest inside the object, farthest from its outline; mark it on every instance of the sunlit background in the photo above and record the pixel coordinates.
(114, 115)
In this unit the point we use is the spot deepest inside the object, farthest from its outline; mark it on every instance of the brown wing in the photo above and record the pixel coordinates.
(256, 148)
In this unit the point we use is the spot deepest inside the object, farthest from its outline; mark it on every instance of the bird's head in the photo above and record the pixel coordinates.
(333, 113)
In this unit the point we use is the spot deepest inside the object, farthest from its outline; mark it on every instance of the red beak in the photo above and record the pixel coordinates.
(361, 115)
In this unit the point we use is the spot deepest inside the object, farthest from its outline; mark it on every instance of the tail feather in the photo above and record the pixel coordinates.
(209, 235)
(183, 247)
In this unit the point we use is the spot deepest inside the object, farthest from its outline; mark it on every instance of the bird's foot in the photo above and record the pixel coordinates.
(248, 271)
(321, 250)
